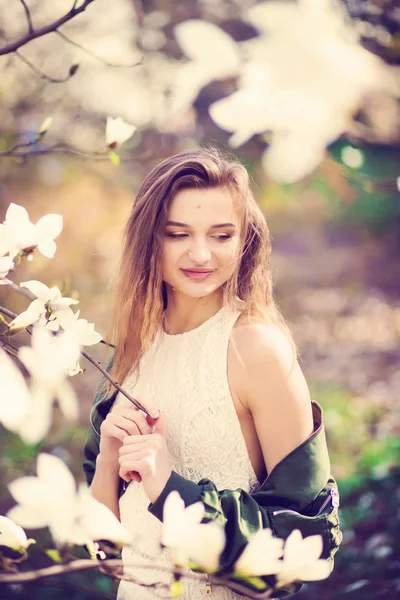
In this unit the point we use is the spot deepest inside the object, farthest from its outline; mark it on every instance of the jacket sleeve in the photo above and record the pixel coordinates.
(101, 406)
(291, 497)
(91, 450)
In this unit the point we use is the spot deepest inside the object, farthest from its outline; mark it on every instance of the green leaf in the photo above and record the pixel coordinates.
(54, 555)
(114, 158)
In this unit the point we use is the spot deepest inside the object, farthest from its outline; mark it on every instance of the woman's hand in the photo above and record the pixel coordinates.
(123, 421)
(145, 458)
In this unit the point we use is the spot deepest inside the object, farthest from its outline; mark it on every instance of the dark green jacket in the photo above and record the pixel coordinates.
(299, 493)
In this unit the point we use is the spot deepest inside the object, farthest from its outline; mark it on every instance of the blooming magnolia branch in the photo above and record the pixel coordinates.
(33, 34)
(93, 361)
(114, 565)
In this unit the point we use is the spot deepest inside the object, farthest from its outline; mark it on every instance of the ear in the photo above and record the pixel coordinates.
(160, 426)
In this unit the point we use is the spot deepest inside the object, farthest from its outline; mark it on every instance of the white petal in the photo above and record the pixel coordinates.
(39, 289)
(291, 158)
(6, 264)
(29, 491)
(12, 535)
(312, 547)
(205, 545)
(52, 471)
(118, 131)
(87, 336)
(49, 227)
(316, 570)
(67, 319)
(52, 324)
(37, 423)
(271, 15)
(242, 112)
(6, 240)
(292, 551)
(194, 513)
(68, 401)
(220, 51)
(261, 555)
(189, 80)
(29, 316)
(29, 517)
(47, 248)
(14, 395)
(16, 215)
(99, 522)
(62, 303)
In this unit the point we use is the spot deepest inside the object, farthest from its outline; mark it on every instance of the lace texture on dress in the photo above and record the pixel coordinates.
(185, 375)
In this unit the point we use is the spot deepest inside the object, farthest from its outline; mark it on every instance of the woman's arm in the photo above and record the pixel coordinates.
(270, 384)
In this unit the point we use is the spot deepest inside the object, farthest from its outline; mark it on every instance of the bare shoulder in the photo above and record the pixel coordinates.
(268, 372)
(262, 343)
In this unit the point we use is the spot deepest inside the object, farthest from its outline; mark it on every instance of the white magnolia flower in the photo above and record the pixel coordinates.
(187, 538)
(12, 535)
(6, 264)
(304, 79)
(48, 360)
(118, 131)
(6, 240)
(81, 330)
(26, 236)
(261, 555)
(301, 560)
(48, 300)
(15, 398)
(51, 500)
(217, 59)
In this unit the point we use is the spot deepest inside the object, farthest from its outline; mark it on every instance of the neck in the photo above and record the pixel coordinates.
(183, 313)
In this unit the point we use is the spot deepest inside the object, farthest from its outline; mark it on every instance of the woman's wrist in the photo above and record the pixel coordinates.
(107, 465)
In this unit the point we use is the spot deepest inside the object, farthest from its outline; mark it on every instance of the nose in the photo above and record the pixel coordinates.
(199, 252)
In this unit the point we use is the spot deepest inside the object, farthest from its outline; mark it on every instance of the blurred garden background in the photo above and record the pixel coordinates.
(336, 240)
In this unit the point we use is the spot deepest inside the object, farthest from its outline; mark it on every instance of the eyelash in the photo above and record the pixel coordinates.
(180, 236)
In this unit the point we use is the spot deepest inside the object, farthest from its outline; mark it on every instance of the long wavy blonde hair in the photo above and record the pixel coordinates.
(141, 295)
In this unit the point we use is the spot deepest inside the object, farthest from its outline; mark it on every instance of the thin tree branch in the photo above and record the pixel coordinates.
(43, 75)
(59, 148)
(28, 16)
(93, 55)
(37, 33)
(117, 564)
(9, 348)
(63, 149)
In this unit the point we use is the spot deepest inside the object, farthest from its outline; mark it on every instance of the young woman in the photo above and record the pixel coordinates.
(201, 344)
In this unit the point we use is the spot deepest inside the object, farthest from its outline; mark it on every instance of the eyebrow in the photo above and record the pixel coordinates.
(217, 226)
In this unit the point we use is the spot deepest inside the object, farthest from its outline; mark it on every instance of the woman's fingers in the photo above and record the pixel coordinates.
(143, 461)
(133, 421)
(111, 430)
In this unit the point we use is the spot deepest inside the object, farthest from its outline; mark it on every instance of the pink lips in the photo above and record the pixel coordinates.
(199, 275)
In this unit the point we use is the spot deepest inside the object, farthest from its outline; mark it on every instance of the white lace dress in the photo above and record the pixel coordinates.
(185, 375)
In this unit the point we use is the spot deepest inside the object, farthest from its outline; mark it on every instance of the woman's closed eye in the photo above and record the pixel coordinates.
(219, 236)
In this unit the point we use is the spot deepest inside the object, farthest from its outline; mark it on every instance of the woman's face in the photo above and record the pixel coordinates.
(201, 245)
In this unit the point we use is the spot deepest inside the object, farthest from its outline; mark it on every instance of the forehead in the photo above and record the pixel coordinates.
(194, 205)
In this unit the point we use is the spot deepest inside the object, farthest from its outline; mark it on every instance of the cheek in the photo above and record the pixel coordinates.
(170, 256)
(229, 254)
